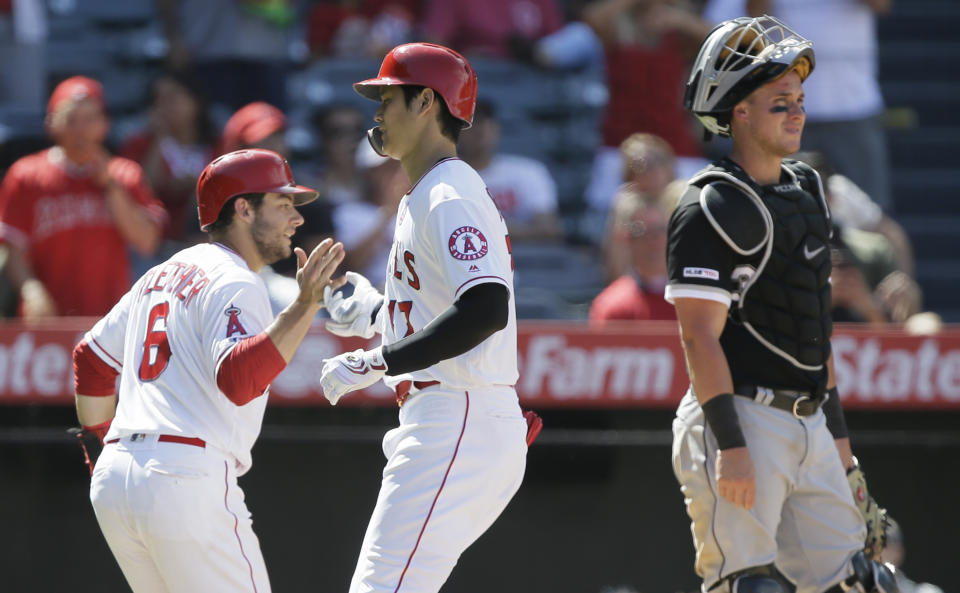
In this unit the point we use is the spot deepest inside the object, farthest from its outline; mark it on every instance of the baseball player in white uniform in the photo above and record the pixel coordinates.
(449, 346)
(196, 348)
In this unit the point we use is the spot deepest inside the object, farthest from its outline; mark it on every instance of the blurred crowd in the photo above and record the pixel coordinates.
(80, 216)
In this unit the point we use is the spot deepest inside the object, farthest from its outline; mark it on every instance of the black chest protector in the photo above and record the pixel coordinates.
(782, 233)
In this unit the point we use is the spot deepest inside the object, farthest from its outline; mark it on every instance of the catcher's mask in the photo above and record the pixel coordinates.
(738, 57)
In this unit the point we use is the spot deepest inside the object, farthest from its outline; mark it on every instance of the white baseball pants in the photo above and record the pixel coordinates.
(804, 517)
(175, 519)
(453, 464)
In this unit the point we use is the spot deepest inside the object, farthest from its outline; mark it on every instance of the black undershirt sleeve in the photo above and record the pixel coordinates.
(479, 312)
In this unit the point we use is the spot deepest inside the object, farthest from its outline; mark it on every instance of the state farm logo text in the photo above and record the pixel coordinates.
(557, 370)
(919, 374)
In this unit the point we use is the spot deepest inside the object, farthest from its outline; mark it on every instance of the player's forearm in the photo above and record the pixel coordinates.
(707, 366)
(93, 410)
(291, 326)
(133, 222)
(479, 313)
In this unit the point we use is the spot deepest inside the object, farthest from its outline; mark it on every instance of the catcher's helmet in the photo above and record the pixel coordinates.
(738, 57)
(434, 66)
(251, 171)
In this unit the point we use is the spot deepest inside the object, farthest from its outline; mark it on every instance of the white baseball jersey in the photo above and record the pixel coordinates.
(449, 237)
(167, 337)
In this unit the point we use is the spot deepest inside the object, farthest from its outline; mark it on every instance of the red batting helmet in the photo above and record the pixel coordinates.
(434, 66)
(251, 171)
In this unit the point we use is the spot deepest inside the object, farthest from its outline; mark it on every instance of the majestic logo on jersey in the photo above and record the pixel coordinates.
(233, 324)
(467, 243)
(474, 268)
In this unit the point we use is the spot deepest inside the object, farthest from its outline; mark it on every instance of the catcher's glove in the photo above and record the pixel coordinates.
(873, 514)
(91, 441)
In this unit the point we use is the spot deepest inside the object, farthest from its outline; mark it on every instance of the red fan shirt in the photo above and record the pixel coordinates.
(626, 299)
(62, 223)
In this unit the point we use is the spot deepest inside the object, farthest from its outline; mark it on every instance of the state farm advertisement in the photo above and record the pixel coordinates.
(634, 365)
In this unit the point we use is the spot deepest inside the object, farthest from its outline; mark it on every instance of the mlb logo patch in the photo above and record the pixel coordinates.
(467, 243)
(705, 273)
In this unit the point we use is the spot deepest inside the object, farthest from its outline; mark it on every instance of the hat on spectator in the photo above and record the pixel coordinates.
(251, 124)
(75, 88)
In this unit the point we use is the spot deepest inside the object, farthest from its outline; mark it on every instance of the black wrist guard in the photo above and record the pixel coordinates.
(836, 423)
(721, 415)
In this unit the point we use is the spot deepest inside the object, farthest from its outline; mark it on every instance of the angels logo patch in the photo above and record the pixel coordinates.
(233, 324)
(467, 243)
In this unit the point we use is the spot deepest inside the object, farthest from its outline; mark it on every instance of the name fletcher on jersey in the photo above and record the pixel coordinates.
(176, 278)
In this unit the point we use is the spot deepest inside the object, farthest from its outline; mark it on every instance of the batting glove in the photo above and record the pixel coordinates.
(351, 371)
(353, 316)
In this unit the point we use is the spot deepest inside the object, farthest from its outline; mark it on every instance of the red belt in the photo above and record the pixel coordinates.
(170, 438)
(403, 388)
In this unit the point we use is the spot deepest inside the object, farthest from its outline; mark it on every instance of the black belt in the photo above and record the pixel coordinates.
(799, 403)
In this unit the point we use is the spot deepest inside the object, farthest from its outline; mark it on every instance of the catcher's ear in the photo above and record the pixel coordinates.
(740, 111)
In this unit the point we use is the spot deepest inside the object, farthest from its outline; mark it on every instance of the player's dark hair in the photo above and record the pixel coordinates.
(449, 126)
(225, 218)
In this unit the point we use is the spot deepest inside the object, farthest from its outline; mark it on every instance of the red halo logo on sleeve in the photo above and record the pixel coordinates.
(467, 243)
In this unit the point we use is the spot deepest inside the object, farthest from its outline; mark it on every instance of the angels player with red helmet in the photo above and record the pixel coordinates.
(449, 336)
(196, 348)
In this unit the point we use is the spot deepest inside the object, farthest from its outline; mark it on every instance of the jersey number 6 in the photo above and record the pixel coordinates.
(156, 348)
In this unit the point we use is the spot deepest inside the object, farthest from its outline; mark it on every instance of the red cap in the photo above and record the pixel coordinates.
(251, 124)
(251, 171)
(75, 88)
(430, 65)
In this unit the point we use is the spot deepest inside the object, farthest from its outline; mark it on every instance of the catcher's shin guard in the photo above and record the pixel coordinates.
(868, 576)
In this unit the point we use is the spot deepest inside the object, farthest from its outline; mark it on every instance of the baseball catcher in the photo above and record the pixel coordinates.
(761, 448)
